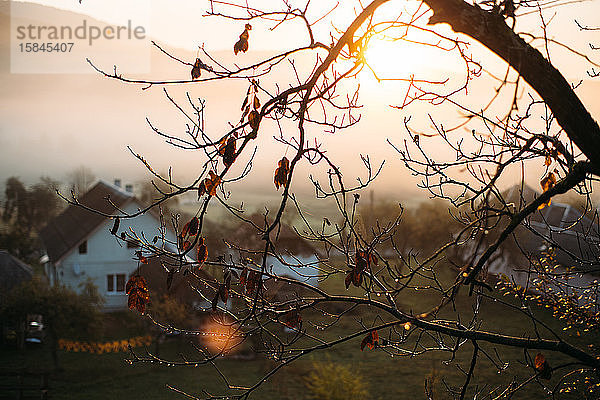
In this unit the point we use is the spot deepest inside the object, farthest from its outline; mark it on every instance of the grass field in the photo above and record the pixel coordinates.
(92, 376)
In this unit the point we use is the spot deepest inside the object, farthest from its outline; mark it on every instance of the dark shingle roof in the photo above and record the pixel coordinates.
(519, 195)
(68, 229)
(574, 236)
(12, 271)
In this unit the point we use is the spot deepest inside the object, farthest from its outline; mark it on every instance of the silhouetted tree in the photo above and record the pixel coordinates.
(80, 179)
(24, 212)
(28, 210)
(322, 94)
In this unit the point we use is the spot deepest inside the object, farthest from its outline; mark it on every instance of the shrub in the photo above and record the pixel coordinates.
(332, 381)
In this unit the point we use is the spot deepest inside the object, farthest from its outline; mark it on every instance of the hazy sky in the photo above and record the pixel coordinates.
(52, 123)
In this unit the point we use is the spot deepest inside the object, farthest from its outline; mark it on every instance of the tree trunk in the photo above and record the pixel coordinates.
(490, 29)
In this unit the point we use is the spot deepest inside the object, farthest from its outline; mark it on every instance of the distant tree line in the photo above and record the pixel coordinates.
(26, 210)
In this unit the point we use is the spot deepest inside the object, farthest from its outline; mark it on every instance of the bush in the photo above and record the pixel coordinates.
(66, 314)
(331, 381)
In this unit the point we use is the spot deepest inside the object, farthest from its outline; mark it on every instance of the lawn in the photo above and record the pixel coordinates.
(93, 376)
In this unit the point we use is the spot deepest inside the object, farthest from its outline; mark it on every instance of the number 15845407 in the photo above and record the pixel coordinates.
(46, 47)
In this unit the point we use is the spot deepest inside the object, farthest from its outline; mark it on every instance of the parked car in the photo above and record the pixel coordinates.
(35, 329)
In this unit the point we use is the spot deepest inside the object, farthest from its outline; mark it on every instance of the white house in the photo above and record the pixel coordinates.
(573, 237)
(298, 259)
(80, 247)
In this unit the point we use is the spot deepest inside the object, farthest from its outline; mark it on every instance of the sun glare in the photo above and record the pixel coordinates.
(388, 59)
(221, 337)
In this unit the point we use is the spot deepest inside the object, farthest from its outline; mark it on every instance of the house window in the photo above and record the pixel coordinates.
(83, 247)
(115, 283)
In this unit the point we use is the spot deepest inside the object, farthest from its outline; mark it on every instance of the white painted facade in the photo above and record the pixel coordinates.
(567, 283)
(107, 258)
(307, 273)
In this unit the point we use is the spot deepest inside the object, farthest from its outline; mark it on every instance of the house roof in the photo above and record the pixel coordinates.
(576, 234)
(74, 224)
(559, 216)
(565, 217)
(520, 195)
(12, 271)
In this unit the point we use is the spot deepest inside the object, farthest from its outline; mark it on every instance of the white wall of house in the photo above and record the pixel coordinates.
(308, 273)
(106, 258)
(500, 264)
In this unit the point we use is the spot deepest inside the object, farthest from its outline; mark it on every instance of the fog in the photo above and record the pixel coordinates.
(55, 122)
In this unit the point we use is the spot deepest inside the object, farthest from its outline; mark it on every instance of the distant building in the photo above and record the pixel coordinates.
(558, 229)
(80, 247)
(573, 237)
(297, 259)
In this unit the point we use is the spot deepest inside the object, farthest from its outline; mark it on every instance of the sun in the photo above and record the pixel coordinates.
(388, 59)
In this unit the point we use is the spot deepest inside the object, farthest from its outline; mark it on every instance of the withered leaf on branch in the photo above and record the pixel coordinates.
(242, 43)
(245, 103)
(353, 277)
(191, 228)
(197, 69)
(202, 254)
(253, 282)
(244, 277)
(547, 183)
(209, 185)
(141, 257)
(221, 145)
(349, 278)
(224, 290)
(138, 293)
(541, 365)
(254, 120)
(245, 112)
(281, 173)
(250, 108)
(194, 223)
(371, 340)
(363, 261)
(292, 319)
(229, 152)
(222, 293)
